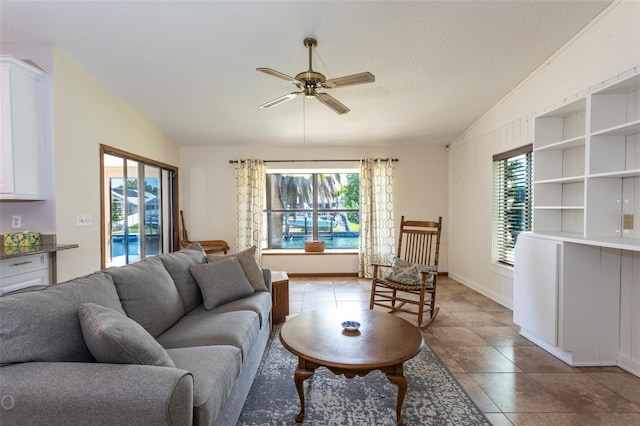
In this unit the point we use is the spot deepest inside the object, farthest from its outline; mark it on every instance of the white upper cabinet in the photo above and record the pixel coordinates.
(587, 166)
(22, 127)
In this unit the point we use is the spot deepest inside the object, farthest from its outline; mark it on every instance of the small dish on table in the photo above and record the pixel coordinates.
(351, 325)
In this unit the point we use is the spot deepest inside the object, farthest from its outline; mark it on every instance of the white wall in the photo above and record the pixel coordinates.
(208, 191)
(86, 115)
(606, 50)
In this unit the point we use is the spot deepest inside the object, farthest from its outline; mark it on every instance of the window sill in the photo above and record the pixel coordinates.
(502, 269)
(298, 252)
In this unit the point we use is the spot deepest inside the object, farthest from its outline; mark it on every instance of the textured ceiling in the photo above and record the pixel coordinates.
(189, 67)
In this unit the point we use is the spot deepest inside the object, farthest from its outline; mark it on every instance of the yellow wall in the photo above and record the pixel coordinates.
(85, 115)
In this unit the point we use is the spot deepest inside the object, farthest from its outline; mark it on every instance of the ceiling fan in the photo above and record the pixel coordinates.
(309, 81)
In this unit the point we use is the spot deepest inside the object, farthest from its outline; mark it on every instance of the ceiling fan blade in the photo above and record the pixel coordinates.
(277, 74)
(332, 103)
(280, 100)
(350, 80)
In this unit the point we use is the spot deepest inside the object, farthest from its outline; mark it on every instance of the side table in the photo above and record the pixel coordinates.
(279, 296)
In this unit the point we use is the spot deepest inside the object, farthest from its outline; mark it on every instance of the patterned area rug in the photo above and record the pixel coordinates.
(434, 397)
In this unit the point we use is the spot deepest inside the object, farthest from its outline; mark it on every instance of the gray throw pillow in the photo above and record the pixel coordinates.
(177, 264)
(116, 339)
(148, 294)
(249, 264)
(221, 282)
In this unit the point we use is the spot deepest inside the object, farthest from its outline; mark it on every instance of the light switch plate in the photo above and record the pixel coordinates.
(83, 220)
(627, 221)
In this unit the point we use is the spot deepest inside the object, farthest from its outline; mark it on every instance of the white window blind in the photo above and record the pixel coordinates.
(513, 193)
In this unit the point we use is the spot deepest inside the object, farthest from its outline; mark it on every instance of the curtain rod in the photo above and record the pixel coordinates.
(395, 160)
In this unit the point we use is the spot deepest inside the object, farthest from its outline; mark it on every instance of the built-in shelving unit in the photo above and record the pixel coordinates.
(587, 165)
(575, 275)
(559, 169)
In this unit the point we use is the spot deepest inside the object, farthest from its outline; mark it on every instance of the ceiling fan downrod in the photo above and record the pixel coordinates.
(311, 79)
(310, 43)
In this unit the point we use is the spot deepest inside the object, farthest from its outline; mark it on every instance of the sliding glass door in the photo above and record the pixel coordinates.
(138, 204)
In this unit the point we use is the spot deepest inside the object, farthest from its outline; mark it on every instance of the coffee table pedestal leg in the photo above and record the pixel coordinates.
(395, 375)
(303, 372)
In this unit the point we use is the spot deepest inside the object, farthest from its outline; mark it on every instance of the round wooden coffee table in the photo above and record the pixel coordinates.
(383, 342)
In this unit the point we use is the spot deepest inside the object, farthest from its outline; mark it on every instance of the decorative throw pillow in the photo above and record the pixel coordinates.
(249, 265)
(148, 294)
(177, 264)
(116, 339)
(221, 282)
(409, 273)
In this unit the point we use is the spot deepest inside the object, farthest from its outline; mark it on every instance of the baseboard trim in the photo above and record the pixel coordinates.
(336, 274)
(322, 274)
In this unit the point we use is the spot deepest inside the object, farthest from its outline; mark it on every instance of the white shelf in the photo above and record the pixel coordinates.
(566, 110)
(559, 207)
(568, 179)
(626, 129)
(621, 87)
(560, 127)
(576, 142)
(617, 174)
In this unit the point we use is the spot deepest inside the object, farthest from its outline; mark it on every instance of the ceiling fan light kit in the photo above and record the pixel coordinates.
(309, 81)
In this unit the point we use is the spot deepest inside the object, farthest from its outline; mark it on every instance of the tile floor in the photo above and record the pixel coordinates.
(511, 380)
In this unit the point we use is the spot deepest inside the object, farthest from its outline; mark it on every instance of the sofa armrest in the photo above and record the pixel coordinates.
(267, 278)
(46, 393)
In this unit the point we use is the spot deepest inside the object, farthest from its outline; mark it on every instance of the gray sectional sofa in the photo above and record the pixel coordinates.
(175, 339)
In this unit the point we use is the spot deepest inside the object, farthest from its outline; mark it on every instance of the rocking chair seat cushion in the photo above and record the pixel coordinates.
(409, 273)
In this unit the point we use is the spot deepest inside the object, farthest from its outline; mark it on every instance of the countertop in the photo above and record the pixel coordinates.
(11, 252)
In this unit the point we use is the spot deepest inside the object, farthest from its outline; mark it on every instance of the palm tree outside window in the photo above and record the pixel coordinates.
(322, 205)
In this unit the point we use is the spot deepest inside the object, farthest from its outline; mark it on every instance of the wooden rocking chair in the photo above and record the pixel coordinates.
(409, 285)
(209, 246)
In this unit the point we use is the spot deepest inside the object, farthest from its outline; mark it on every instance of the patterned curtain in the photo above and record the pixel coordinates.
(377, 240)
(251, 192)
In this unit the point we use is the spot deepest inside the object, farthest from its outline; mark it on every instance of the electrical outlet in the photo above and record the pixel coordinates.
(83, 220)
(627, 221)
(16, 222)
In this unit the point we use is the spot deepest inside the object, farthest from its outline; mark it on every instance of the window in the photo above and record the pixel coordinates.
(512, 178)
(305, 206)
(138, 207)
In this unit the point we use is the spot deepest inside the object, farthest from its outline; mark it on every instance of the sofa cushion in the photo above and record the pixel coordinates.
(239, 329)
(115, 339)
(221, 282)
(148, 294)
(177, 264)
(258, 302)
(43, 325)
(214, 370)
(249, 264)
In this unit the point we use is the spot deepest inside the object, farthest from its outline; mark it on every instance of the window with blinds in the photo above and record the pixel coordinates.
(513, 190)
